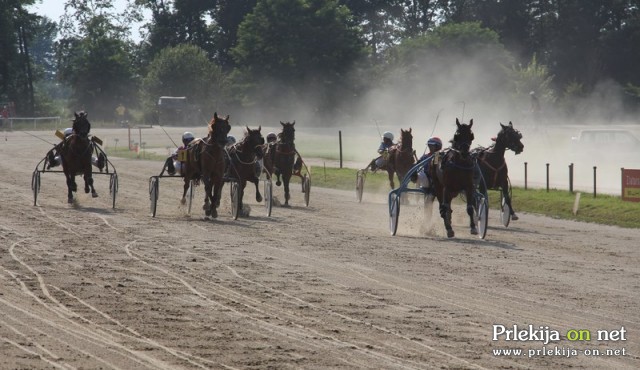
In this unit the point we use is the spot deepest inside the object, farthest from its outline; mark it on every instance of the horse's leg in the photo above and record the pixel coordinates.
(218, 183)
(71, 187)
(445, 212)
(277, 172)
(470, 194)
(243, 184)
(256, 182)
(208, 200)
(286, 178)
(391, 173)
(88, 183)
(185, 187)
(504, 187)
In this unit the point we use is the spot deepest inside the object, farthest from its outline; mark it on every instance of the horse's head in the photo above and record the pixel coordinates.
(219, 128)
(463, 137)
(253, 141)
(81, 125)
(510, 138)
(288, 134)
(406, 138)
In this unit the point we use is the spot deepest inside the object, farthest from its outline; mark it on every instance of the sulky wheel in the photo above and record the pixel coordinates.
(359, 185)
(235, 200)
(394, 212)
(113, 189)
(268, 196)
(306, 186)
(35, 186)
(482, 214)
(154, 188)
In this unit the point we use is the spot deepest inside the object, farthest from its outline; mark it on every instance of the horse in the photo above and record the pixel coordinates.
(401, 157)
(243, 161)
(75, 155)
(452, 172)
(279, 157)
(493, 165)
(205, 160)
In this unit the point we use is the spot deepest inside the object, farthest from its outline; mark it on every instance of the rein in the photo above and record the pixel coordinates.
(236, 150)
(495, 170)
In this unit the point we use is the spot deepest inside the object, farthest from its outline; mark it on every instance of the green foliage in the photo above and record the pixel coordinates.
(184, 70)
(533, 77)
(286, 45)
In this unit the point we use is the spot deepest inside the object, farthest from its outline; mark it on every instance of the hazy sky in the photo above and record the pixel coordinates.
(54, 9)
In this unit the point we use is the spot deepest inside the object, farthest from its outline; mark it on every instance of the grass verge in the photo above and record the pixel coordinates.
(604, 209)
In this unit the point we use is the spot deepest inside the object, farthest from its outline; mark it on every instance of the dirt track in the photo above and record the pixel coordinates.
(86, 286)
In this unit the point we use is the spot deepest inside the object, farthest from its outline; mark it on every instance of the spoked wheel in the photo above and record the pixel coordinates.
(306, 188)
(359, 185)
(235, 200)
(505, 211)
(113, 189)
(268, 196)
(35, 186)
(482, 214)
(191, 192)
(394, 212)
(154, 188)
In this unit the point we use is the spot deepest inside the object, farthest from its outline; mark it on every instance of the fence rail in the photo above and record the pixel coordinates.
(35, 123)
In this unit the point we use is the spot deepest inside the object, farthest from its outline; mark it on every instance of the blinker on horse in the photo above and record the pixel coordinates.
(76, 156)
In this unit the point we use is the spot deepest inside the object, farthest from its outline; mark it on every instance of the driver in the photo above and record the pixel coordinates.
(172, 163)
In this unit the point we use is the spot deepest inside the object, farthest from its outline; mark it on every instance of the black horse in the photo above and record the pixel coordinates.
(75, 154)
(492, 164)
(279, 158)
(243, 161)
(452, 173)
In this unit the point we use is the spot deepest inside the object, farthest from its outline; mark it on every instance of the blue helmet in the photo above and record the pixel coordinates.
(435, 141)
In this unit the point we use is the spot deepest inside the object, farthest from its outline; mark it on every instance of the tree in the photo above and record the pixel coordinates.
(184, 70)
(291, 48)
(97, 66)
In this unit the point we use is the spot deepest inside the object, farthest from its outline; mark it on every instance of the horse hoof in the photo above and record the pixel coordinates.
(450, 234)
(474, 231)
(87, 190)
(259, 198)
(94, 195)
(183, 201)
(514, 217)
(214, 213)
(278, 183)
(70, 200)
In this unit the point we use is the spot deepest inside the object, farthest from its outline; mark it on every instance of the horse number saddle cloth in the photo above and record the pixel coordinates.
(182, 155)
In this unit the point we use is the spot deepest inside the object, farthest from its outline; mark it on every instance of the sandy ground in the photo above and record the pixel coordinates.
(86, 286)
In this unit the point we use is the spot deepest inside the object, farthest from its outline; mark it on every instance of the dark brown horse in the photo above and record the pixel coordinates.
(493, 165)
(205, 160)
(452, 173)
(279, 157)
(75, 154)
(401, 157)
(243, 161)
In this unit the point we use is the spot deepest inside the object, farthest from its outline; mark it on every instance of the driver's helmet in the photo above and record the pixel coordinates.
(435, 142)
(387, 135)
(187, 137)
(271, 137)
(231, 140)
(68, 131)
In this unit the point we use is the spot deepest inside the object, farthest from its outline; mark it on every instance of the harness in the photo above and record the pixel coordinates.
(495, 170)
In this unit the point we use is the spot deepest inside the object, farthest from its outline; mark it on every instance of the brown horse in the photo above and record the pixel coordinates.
(205, 160)
(401, 157)
(75, 154)
(243, 161)
(452, 173)
(279, 157)
(493, 165)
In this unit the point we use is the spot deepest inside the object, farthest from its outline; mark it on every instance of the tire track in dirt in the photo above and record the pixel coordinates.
(300, 334)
